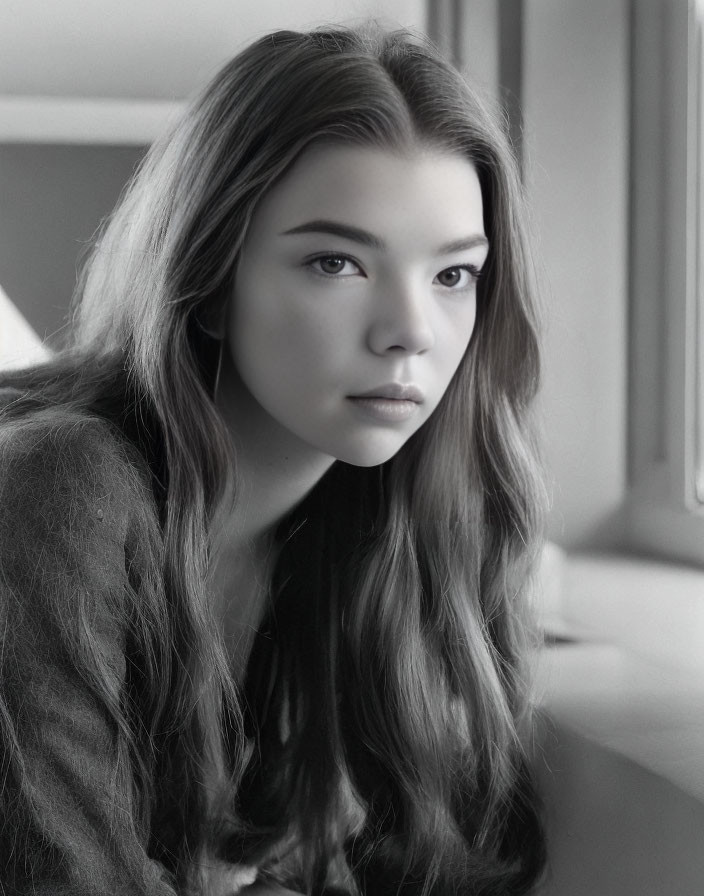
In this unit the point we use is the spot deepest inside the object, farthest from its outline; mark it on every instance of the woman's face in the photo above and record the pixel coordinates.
(355, 297)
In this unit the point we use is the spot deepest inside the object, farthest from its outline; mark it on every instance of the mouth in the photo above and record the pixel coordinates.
(391, 403)
(394, 392)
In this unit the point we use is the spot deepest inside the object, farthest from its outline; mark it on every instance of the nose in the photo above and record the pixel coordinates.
(401, 320)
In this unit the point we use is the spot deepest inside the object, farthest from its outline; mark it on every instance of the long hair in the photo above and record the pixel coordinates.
(385, 708)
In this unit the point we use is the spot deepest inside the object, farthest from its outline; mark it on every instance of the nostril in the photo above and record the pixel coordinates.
(407, 350)
(401, 325)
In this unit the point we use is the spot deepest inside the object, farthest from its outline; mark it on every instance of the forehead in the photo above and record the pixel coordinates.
(424, 194)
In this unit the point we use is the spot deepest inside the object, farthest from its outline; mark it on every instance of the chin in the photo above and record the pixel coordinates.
(369, 455)
(368, 463)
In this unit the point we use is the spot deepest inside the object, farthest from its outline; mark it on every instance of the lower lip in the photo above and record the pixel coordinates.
(386, 410)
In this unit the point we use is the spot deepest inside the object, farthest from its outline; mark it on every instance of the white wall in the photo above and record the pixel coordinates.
(153, 48)
(575, 104)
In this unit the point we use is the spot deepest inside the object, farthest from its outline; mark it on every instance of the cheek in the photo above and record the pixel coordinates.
(281, 343)
(452, 349)
(457, 339)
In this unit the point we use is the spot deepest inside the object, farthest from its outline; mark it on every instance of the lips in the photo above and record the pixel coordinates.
(395, 392)
(390, 405)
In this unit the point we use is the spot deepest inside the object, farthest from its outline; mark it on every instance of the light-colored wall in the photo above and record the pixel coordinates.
(153, 48)
(575, 106)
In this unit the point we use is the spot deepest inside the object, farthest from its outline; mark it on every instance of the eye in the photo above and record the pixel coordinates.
(458, 277)
(334, 266)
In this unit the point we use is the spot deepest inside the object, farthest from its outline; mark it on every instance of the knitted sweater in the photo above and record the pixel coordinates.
(70, 551)
(77, 533)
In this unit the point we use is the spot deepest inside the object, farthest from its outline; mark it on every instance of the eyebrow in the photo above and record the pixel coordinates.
(365, 238)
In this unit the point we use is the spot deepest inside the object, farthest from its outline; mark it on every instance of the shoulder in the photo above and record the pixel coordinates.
(59, 465)
(75, 511)
(73, 506)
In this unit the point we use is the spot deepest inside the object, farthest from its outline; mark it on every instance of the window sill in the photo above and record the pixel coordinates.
(627, 668)
(620, 744)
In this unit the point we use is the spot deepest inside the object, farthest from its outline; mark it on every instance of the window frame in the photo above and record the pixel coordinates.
(663, 512)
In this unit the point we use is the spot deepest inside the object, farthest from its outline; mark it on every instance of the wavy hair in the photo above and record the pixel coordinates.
(383, 737)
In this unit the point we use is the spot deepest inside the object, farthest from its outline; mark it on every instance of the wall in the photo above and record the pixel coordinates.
(51, 200)
(155, 49)
(575, 108)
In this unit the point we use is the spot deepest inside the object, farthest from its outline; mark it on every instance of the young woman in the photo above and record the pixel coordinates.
(269, 520)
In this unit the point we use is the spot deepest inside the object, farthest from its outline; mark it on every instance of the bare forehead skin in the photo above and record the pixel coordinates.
(421, 199)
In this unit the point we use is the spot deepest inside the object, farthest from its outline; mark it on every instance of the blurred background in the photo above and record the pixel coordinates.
(604, 105)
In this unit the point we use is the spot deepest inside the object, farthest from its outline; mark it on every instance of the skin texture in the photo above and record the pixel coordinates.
(306, 332)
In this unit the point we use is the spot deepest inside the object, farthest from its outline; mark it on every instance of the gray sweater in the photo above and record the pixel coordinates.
(71, 548)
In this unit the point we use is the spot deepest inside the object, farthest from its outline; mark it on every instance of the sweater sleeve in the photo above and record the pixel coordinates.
(69, 825)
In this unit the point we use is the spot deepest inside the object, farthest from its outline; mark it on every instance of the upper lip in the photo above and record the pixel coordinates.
(397, 391)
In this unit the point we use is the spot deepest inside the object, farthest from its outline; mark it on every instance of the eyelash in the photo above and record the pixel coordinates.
(474, 272)
(329, 256)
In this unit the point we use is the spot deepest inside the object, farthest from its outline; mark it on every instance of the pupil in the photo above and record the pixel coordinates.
(331, 265)
(451, 276)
